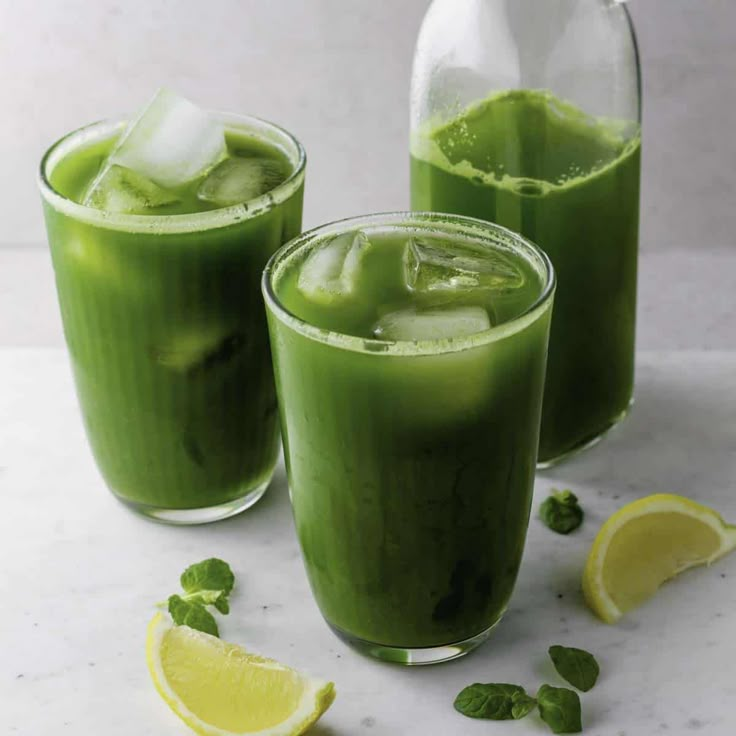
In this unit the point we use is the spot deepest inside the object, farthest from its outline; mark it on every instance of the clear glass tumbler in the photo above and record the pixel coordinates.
(411, 463)
(166, 331)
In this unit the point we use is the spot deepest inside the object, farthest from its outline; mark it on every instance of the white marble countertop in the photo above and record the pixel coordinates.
(80, 575)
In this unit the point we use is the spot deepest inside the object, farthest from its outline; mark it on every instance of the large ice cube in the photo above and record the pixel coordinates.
(237, 180)
(124, 190)
(432, 324)
(330, 271)
(430, 266)
(171, 142)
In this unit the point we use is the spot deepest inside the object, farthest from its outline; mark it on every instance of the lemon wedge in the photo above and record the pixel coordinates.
(646, 543)
(219, 689)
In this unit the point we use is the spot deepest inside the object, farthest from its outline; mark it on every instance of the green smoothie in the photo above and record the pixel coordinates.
(570, 183)
(159, 290)
(409, 354)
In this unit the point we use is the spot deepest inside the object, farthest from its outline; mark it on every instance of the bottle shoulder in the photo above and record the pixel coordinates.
(583, 51)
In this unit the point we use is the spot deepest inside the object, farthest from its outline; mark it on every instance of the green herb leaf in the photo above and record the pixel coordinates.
(222, 604)
(206, 583)
(192, 614)
(208, 575)
(559, 708)
(216, 598)
(561, 512)
(577, 666)
(209, 583)
(522, 705)
(493, 701)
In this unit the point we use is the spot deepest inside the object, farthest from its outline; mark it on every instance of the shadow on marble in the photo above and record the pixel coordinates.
(274, 502)
(680, 433)
(322, 730)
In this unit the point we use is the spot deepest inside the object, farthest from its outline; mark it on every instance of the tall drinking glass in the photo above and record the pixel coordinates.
(166, 329)
(409, 353)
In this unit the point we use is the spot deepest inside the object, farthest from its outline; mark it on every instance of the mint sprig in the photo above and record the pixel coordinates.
(209, 582)
(561, 512)
(206, 583)
(558, 707)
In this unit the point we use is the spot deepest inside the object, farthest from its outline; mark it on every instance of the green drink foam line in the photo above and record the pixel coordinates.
(618, 134)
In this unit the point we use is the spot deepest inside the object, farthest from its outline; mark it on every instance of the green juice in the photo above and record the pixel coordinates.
(410, 392)
(165, 325)
(570, 183)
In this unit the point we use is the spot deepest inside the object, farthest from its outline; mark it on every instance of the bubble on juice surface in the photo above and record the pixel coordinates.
(331, 270)
(171, 142)
(237, 180)
(432, 324)
(124, 190)
(440, 266)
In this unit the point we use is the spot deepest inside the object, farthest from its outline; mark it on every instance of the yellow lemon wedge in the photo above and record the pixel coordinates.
(219, 689)
(646, 543)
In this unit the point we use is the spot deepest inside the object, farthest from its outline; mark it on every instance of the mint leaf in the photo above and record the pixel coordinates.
(206, 583)
(559, 708)
(209, 583)
(561, 512)
(522, 705)
(577, 666)
(208, 575)
(216, 598)
(194, 615)
(493, 701)
(222, 604)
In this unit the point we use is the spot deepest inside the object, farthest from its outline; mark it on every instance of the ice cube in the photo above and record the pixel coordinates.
(199, 348)
(171, 142)
(331, 270)
(430, 266)
(124, 190)
(237, 180)
(432, 324)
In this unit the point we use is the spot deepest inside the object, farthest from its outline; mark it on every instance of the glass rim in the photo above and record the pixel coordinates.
(171, 224)
(440, 223)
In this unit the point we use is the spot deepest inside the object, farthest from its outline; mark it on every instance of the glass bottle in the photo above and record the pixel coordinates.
(527, 113)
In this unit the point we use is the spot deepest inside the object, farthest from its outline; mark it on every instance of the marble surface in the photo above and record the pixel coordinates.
(80, 575)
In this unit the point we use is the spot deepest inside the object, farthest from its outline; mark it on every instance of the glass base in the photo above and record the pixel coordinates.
(205, 515)
(415, 656)
(586, 444)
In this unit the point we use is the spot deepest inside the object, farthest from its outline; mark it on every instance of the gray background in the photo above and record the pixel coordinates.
(336, 73)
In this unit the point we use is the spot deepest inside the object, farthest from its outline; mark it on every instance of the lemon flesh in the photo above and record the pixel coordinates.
(219, 689)
(646, 543)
